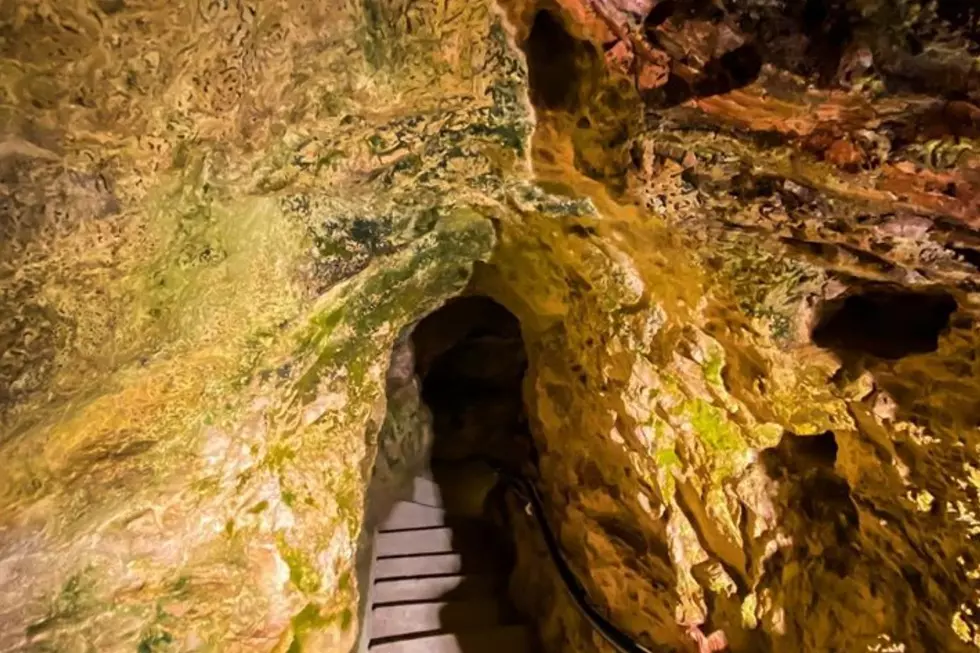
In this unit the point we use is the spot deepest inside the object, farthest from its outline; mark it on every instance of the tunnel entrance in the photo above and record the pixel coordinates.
(437, 556)
(471, 360)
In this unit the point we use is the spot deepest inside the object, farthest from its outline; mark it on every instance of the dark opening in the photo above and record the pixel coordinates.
(683, 10)
(659, 14)
(819, 499)
(471, 359)
(970, 255)
(810, 460)
(964, 14)
(552, 63)
(801, 454)
(885, 321)
(437, 552)
(733, 70)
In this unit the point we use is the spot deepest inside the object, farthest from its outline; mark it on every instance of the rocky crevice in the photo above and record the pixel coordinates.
(740, 529)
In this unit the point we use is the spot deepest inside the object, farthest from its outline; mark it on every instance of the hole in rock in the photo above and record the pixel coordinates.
(552, 63)
(884, 321)
(799, 454)
(821, 514)
(816, 15)
(471, 359)
(962, 13)
(970, 255)
(733, 70)
(660, 13)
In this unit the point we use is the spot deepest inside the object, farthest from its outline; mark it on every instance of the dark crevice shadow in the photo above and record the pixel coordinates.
(554, 63)
(829, 27)
(961, 13)
(888, 322)
(823, 520)
(471, 358)
(658, 16)
(731, 71)
(804, 465)
(969, 254)
(772, 36)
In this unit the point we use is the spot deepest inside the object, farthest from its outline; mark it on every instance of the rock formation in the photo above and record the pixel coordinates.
(740, 239)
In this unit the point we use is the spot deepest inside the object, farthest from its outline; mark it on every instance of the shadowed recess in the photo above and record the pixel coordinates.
(884, 321)
(471, 359)
(552, 56)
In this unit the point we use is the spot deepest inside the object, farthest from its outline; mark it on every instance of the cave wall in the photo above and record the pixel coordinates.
(214, 235)
(217, 219)
(713, 461)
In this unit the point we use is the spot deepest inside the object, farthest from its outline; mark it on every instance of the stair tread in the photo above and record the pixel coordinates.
(444, 588)
(408, 514)
(472, 538)
(446, 616)
(426, 492)
(512, 639)
(445, 563)
(438, 580)
(434, 540)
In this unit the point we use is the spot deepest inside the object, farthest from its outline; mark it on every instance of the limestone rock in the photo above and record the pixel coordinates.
(740, 239)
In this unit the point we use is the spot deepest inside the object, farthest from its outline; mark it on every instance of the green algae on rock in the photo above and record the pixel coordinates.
(214, 237)
(241, 243)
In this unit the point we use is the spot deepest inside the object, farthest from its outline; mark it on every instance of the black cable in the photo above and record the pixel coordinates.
(618, 639)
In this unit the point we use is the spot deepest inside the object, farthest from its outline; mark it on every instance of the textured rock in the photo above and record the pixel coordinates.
(220, 220)
(217, 220)
(714, 467)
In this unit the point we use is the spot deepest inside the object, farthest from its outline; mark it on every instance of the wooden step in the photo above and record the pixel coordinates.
(406, 514)
(465, 536)
(504, 639)
(413, 542)
(426, 492)
(414, 566)
(444, 588)
(442, 616)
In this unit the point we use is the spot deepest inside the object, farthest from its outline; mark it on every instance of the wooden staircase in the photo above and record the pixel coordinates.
(438, 580)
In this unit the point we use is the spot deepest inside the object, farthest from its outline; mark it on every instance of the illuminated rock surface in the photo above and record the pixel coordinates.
(742, 250)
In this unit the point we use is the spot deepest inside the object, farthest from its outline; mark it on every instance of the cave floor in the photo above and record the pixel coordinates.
(439, 572)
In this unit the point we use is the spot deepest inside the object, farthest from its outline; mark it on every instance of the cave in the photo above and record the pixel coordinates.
(442, 544)
(252, 396)
(455, 403)
(884, 321)
(471, 360)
